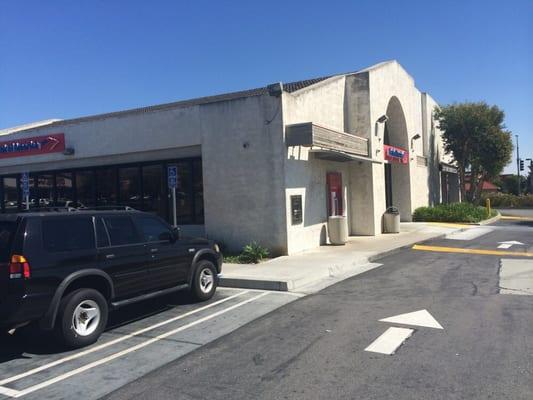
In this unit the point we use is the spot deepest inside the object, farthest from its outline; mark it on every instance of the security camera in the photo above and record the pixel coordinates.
(383, 119)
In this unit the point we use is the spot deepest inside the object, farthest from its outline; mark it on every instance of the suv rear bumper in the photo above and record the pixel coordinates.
(17, 309)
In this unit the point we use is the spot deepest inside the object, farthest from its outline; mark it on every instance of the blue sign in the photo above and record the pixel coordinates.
(172, 177)
(25, 184)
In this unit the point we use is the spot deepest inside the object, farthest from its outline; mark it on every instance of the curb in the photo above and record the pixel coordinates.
(293, 285)
(261, 284)
(490, 220)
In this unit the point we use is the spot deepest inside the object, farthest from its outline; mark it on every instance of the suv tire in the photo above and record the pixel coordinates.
(81, 318)
(204, 281)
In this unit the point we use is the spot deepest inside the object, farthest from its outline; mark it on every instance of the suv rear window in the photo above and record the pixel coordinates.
(7, 231)
(67, 234)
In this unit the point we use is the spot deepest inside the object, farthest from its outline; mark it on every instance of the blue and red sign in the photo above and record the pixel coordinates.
(33, 146)
(395, 154)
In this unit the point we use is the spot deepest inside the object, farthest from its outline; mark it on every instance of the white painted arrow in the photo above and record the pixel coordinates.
(394, 337)
(506, 245)
(417, 318)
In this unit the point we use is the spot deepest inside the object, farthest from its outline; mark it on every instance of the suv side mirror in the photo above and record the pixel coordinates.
(167, 237)
(177, 233)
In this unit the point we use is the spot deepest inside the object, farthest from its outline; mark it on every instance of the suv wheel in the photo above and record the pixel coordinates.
(82, 317)
(204, 283)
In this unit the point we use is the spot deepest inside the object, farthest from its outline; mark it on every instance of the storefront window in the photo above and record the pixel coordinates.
(64, 189)
(85, 188)
(152, 185)
(10, 195)
(142, 187)
(130, 187)
(106, 186)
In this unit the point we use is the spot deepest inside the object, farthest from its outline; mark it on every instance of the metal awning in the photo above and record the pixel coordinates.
(308, 134)
(338, 156)
(452, 169)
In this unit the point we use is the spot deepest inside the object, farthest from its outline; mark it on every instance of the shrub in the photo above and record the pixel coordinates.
(454, 212)
(506, 200)
(253, 253)
(232, 259)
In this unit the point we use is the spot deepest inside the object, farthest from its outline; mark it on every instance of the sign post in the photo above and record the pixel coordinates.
(172, 184)
(26, 188)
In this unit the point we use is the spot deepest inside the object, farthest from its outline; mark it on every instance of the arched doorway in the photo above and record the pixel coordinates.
(397, 177)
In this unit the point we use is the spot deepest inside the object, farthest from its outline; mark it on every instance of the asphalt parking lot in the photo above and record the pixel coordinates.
(139, 339)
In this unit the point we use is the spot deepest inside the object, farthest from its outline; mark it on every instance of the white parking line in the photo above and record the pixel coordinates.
(115, 341)
(9, 392)
(389, 341)
(294, 294)
(469, 234)
(132, 349)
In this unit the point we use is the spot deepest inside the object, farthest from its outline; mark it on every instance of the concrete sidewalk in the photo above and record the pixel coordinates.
(315, 269)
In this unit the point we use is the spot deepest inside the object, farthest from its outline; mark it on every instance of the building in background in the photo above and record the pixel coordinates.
(268, 164)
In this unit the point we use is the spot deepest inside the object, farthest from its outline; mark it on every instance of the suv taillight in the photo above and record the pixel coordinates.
(19, 267)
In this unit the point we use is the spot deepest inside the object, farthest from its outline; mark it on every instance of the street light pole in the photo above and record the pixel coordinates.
(518, 163)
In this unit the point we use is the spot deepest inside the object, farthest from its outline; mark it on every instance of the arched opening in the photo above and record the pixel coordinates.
(397, 177)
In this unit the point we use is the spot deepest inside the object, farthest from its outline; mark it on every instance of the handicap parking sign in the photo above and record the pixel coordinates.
(25, 180)
(172, 177)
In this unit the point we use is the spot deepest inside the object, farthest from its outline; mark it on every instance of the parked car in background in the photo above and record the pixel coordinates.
(66, 270)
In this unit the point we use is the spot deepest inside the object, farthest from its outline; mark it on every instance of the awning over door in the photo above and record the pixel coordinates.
(448, 168)
(328, 144)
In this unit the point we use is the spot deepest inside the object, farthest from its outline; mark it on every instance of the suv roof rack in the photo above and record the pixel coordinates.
(107, 208)
(56, 209)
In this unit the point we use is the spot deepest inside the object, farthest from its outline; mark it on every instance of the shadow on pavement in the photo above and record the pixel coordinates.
(29, 340)
(525, 223)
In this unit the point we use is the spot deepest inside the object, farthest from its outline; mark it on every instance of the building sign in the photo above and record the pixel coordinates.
(33, 146)
(396, 155)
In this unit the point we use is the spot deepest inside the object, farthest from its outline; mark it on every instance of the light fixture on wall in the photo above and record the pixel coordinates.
(69, 151)
(380, 120)
(415, 137)
(383, 119)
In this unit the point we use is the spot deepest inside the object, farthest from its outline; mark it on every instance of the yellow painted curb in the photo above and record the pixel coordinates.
(518, 218)
(442, 249)
(451, 225)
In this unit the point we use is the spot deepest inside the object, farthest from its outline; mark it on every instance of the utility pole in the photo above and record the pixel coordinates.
(518, 163)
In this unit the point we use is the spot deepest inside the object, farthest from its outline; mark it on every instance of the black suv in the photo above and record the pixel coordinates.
(66, 270)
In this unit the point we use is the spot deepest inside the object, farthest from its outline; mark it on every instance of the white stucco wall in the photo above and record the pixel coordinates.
(249, 173)
(322, 104)
(244, 179)
(241, 159)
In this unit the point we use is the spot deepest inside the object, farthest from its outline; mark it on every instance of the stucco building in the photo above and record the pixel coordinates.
(268, 164)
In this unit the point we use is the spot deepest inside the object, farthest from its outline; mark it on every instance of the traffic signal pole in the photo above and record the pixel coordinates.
(518, 163)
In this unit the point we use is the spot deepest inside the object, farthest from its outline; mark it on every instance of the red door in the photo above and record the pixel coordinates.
(334, 191)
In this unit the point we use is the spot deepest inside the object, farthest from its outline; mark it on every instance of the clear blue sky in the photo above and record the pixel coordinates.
(62, 59)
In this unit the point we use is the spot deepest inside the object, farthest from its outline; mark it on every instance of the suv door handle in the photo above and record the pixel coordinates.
(155, 250)
(109, 256)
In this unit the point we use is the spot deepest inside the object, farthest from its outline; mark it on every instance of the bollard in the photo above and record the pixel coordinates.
(488, 207)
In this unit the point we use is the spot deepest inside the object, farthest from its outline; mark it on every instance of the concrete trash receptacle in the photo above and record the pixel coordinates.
(337, 229)
(391, 220)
